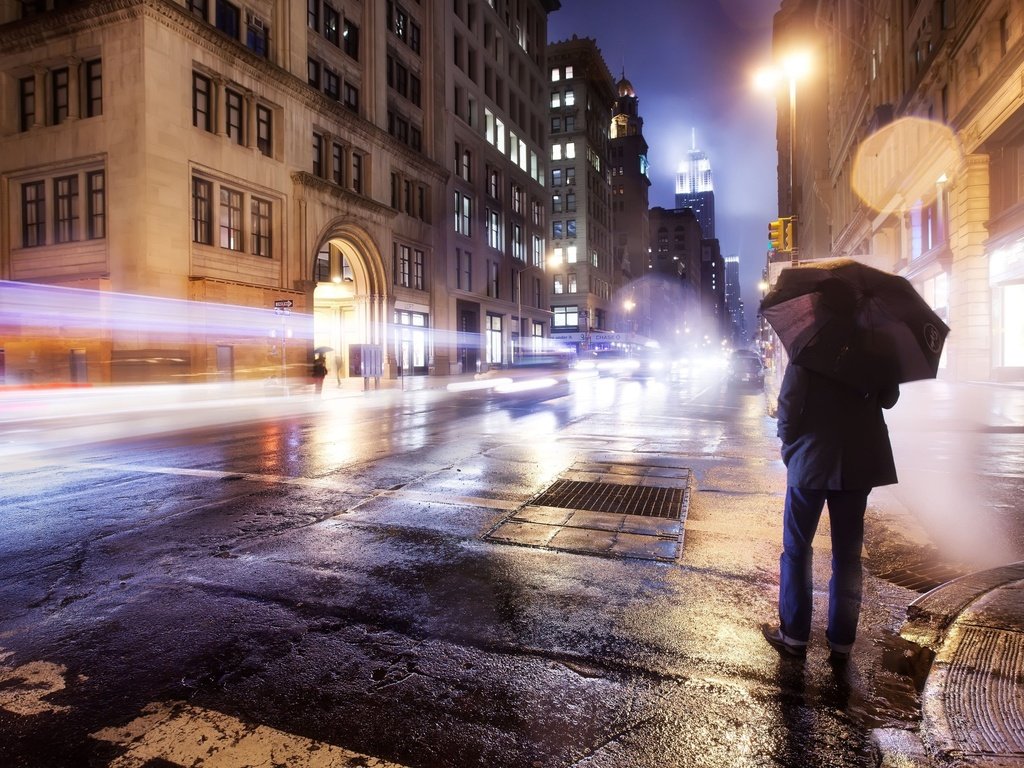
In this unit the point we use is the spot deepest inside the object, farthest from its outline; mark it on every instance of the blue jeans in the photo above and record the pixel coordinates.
(846, 517)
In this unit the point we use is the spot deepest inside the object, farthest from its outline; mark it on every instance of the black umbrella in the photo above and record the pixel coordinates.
(322, 350)
(855, 323)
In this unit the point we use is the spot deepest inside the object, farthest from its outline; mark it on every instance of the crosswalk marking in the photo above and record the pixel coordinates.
(186, 735)
(23, 689)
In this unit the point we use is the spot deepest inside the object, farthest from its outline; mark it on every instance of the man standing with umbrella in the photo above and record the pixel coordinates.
(836, 448)
(853, 334)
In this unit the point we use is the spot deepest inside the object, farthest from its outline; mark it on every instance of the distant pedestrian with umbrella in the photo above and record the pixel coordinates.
(319, 372)
(853, 334)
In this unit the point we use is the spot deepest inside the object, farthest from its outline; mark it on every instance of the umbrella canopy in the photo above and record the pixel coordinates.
(855, 323)
(322, 350)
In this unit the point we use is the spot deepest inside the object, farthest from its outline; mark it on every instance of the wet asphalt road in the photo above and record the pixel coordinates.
(322, 583)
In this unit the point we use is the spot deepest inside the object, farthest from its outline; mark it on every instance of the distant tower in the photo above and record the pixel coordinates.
(695, 189)
(630, 183)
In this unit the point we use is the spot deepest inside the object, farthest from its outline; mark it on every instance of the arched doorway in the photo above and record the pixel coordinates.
(349, 302)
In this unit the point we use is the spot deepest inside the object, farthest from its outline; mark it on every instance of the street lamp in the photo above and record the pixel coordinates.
(791, 68)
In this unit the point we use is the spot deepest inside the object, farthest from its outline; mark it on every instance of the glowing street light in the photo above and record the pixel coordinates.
(791, 68)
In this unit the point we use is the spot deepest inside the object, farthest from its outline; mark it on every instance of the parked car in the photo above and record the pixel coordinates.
(745, 367)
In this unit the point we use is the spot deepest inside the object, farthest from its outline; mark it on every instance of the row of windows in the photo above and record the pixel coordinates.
(518, 152)
(409, 196)
(402, 25)
(322, 77)
(78, 209)
(409, 266)
(229, 205)
(404, 82)
(337, 29)
(567, 123)
(564, 283)
(226, 108)
(562, 73)
(558, 99)
(464, 279)
(227, 17)
(338, 163)
(52, 96)
(557, 174)
(566, 229)
(405, 130)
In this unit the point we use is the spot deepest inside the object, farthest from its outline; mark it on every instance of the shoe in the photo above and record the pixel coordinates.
(782, 644)
(839, 654)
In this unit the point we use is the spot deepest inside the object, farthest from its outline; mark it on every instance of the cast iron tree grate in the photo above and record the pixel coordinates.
(612, 497)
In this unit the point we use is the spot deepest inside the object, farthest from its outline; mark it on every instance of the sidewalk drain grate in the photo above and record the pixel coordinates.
(923, 578)
(611, 497)
(607, 508)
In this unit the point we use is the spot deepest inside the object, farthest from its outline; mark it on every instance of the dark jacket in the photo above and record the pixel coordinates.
(833, 436)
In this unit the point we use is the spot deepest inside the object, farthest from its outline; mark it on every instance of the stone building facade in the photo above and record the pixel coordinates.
(924, 119)
(262, 153)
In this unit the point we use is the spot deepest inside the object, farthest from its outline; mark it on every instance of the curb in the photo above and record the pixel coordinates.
(972, 703)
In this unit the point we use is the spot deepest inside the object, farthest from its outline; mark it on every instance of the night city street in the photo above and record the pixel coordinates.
(313, 588)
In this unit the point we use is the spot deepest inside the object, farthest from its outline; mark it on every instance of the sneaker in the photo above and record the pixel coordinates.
(783, 644)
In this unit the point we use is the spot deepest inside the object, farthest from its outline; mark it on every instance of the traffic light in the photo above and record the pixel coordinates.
(789, 234)
(775, 234)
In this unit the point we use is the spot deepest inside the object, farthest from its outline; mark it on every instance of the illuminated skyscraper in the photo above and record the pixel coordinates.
(695, 188)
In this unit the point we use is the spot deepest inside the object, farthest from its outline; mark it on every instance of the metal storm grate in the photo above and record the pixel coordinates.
(611, 497)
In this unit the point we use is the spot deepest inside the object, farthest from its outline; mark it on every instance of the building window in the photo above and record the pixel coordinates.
(197, 8)
(357, 172)
(492, 220)
(565, 317)
(463, 270)
(202, 211)
(318, 155)
(261, 227)
(556, 124)
(572, 282)
(556, 230)
(256, 35)
(201, 114)
(351, 97)
(570, 176)
(518, 245)
(570, 202)
(492, 279)
(313, 14)
(96, 205)
(556, 203)
(570, 228)
(332, 84)
(494, 339)
(538, 251)
(557, 285)
(418, 270)
(351, 39)
(332, 22)
(233, 102)
(60, 95)
(65, 209)
(264, 130)
(337, 164)
(570, 254)
(229, 19)
(467, 165)
(493, 183)
(93, 88)
(403, 265)
(463, 214)
(27, 102)
(517, 199)
(570, 98)
(33, 214)
(230, 219)
(313, 73)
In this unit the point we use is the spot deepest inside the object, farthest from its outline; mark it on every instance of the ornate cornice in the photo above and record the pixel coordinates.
(307, 180)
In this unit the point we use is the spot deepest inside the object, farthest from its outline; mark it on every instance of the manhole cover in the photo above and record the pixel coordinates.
(612, 497)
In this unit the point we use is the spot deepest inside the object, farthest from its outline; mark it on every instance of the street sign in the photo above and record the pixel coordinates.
(281, 303)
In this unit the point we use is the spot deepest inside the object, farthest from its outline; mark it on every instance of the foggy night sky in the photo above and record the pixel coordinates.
(691, 63)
